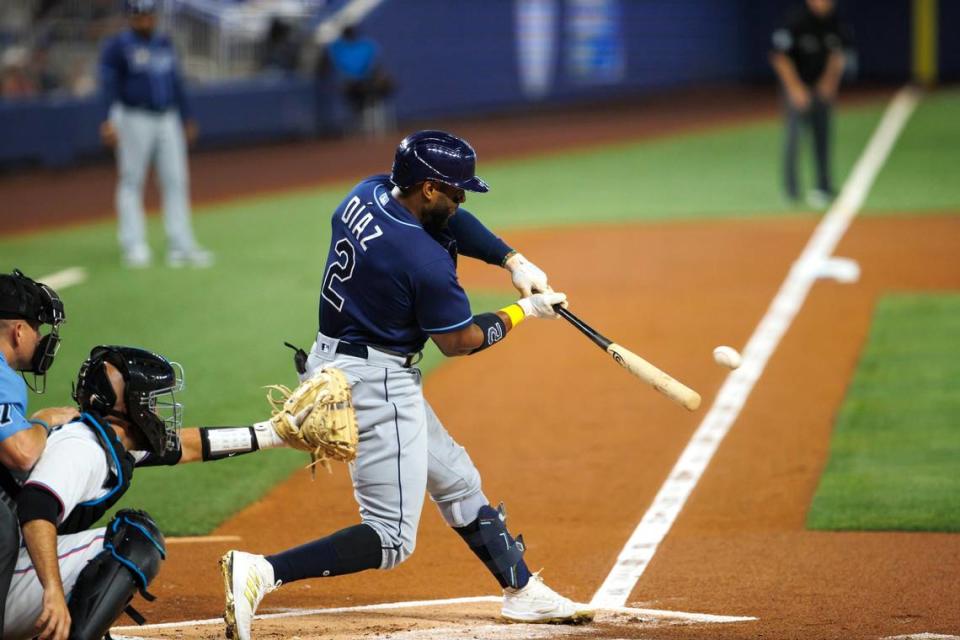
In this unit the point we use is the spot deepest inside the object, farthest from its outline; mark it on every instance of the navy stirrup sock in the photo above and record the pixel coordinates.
(349, 550)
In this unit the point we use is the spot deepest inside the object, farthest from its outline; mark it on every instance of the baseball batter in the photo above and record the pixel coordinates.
(148, 115)
(129, 418)
(390, 284)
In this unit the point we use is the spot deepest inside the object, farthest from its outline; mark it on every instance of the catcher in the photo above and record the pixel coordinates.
(73, 581)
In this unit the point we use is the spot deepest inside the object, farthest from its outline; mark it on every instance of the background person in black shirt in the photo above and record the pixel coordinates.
(808, 57)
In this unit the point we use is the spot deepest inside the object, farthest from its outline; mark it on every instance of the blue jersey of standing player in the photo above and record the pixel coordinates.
(390, 283)
(13, 401)
(141, 72)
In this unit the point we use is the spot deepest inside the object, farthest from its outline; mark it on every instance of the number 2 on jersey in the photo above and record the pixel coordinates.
(341, 270)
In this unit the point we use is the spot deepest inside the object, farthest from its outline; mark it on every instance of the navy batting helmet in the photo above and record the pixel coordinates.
(436, 155)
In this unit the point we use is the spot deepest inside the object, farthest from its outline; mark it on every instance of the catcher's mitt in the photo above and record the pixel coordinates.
(317, 416)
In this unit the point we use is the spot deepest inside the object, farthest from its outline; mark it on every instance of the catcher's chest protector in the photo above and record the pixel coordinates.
(118, 481)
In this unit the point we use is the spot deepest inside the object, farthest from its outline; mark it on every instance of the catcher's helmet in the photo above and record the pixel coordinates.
(150, 385)
(24, 298)
(436, 155)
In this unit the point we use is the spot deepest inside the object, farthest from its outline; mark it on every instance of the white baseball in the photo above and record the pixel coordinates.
(727, 357)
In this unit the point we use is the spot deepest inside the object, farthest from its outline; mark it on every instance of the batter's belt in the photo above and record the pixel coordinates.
(377, 355)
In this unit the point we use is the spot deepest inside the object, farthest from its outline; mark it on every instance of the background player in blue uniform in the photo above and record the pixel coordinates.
(390, 284)
(25, 306)
(143, 90)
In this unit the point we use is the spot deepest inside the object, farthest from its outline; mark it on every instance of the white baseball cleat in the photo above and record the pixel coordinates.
(196, 257)
(538, 603)
(138, 257)
(246, 579)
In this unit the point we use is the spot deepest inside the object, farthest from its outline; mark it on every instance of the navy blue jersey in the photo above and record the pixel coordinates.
(388, 282)
(142, 72)
(13, 401)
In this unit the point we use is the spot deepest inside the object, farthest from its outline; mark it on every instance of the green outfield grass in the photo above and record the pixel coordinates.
(920, 174)
(226, 325)
(895, 453)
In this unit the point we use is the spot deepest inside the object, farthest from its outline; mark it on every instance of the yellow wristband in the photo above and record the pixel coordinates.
(515, 313)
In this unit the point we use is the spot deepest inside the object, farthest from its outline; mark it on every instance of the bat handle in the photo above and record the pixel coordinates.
(598, 338)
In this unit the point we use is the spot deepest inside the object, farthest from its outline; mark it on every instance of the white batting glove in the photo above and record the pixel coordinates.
(527, 277)
(540, 305)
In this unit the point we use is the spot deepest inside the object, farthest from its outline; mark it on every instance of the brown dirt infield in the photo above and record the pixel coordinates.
(589, 447)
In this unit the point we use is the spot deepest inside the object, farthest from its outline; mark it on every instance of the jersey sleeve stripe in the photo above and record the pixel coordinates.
(449, 327)
(65, 555)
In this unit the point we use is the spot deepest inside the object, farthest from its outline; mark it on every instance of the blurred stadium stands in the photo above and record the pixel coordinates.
(252, 64)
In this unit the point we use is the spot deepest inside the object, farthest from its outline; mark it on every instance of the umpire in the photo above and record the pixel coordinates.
(25, 306)
(149, 120)
(807, 56)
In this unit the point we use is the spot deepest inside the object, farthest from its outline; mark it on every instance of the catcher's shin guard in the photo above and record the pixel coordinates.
(489, 539)
(133, 549)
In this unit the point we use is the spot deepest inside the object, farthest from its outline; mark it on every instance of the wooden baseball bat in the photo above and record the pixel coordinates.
(662, 382)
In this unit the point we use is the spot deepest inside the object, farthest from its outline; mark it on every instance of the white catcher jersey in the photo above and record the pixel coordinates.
(73, 468)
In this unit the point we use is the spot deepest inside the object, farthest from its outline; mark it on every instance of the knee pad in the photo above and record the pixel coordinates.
(489, 539)
(461, 512)
(133, 549)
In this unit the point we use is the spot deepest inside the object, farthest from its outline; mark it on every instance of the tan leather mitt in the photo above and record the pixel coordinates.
(317, 416)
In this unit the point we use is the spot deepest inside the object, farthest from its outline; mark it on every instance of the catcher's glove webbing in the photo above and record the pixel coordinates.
(317, 416)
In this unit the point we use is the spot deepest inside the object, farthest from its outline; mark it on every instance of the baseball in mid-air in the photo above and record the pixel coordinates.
(727, 357)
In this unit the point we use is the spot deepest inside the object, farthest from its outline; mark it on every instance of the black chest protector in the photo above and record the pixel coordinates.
(120, 465)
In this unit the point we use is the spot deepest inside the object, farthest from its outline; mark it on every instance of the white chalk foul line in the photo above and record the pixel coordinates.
(202, 539)
(659, 518)
(386, 606)
(63, 279)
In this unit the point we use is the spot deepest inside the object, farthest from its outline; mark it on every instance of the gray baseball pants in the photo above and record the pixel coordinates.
(817, 116)
(404, 449)
(145, 137)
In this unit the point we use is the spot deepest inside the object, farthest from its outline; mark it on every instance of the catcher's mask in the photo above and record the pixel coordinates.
(24, 298)
(150, 386)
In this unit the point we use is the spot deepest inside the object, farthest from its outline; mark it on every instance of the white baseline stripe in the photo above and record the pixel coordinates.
(926, 635)
(679, 615)
(202, 539)
(301, 613)
(659, 518)
(63, 279)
